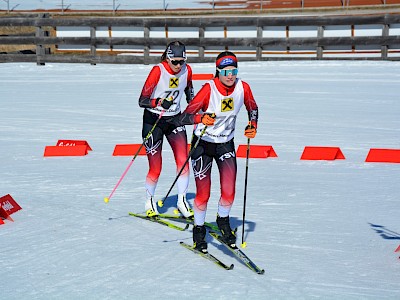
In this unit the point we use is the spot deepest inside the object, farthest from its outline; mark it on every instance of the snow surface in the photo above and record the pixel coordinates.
(321, 229)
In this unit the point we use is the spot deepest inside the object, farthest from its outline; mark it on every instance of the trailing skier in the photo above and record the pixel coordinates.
(166, 85)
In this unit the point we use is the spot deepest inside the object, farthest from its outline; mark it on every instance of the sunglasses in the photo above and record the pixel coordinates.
(234, 72)
(176, 62)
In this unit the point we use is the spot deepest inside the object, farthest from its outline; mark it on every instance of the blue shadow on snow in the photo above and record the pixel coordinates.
(384, 232)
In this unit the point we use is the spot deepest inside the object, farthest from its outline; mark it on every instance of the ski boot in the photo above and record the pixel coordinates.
(184, 207)
(199, 242)
(227, 234)
(151, 207)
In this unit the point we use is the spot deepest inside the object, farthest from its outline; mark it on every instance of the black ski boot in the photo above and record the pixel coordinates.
(199, 242)
(227, 234)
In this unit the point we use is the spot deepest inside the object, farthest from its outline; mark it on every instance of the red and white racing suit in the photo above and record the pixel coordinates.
(162, 82)
(217, 141)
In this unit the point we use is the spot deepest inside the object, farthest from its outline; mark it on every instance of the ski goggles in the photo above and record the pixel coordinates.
(176, 62)
(232, 72)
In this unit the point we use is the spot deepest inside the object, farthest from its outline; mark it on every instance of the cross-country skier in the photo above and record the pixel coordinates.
(218, 102)
(167, 83)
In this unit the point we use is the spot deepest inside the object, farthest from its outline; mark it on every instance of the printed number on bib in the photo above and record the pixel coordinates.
(174, 94)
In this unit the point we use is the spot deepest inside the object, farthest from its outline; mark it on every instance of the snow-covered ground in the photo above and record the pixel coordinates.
(321, 229)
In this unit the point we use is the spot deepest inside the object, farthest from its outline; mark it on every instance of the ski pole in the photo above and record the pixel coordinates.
(245, 190)
(106, 199)
(161, 202)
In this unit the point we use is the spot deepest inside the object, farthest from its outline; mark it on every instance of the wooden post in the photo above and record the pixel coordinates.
(40, 50)
(287, 39)
(225, 36)
(259, 43)
(384, 48)
(320, 35)
(93, 43)
(201, 47)
(146, 49)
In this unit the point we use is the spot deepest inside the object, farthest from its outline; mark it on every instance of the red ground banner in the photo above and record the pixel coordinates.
(202, 76)
(128, 150)
(79, 150)
(9, 205)
(73, 143)
(322, 153)
(383, 155)
(256, 151)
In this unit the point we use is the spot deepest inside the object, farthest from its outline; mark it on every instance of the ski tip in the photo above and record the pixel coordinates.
(261, 272)
(231, 267)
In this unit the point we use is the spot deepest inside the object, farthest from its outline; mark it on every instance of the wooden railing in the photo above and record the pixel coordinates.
(318, 43)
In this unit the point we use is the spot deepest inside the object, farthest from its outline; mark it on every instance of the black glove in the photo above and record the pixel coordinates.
(165, 102)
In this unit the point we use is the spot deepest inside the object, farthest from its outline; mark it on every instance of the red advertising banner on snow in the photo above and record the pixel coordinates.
(73, 143)
(383, 155)
(68, 148)
(80, 150)
(4, 216)
(256, 151)
(129, 150)
(321, 153)
(202, 76)
(9, 205)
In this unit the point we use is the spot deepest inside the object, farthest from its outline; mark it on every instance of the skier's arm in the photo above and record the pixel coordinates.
(251, 105)
(199, 102)
(252, 109)
(150, 84)
(189, 91)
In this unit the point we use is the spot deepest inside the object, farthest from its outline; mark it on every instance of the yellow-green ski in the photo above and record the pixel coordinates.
(180, 218)
(157, 219)
(239, 254)
(208, 256)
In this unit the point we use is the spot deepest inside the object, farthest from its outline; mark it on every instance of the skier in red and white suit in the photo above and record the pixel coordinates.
(166, 85)
(219, 102)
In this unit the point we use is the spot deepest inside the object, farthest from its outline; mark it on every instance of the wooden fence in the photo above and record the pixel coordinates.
(369, 37)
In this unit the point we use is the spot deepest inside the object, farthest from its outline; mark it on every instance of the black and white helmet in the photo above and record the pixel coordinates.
(176, 49)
